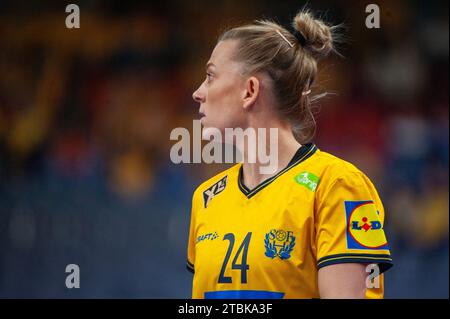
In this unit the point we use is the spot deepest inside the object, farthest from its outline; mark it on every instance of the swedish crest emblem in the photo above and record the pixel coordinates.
(279, 243)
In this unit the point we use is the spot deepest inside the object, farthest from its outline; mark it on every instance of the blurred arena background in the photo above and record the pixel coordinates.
(85, 117)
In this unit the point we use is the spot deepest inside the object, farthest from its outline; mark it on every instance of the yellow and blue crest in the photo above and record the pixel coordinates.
(279, 243)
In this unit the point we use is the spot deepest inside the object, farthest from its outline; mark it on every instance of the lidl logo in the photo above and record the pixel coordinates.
(364, 228)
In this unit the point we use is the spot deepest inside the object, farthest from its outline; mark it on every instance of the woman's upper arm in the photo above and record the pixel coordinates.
(343, 281)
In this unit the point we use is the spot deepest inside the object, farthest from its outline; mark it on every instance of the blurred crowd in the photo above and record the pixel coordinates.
(85, 118)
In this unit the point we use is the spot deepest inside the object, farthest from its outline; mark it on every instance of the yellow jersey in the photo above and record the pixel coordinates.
(270, 242)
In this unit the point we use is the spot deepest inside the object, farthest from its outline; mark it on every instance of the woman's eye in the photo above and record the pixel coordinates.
(208, 77)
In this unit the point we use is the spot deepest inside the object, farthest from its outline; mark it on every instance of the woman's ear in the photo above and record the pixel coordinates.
(251, 92)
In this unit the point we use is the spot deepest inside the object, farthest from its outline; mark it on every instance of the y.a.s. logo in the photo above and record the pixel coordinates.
(279, 243)
(215, 189)
(364, 228)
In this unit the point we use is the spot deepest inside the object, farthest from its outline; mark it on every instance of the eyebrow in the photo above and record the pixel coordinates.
(209, 64)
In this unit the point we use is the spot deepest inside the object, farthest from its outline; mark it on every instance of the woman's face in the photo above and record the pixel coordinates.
(221, 94)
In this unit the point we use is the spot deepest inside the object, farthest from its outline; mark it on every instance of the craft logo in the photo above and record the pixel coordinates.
(209, 236)
(279, 243)
(364, 228)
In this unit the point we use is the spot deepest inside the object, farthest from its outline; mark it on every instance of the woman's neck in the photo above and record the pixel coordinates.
(254, 172)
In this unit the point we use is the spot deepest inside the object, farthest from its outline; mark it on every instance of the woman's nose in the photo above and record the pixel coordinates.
(198, 96)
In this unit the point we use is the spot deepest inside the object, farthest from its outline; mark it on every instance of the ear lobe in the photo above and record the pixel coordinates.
(251, 92)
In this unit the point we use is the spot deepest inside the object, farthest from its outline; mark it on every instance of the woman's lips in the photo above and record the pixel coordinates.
(202, 116)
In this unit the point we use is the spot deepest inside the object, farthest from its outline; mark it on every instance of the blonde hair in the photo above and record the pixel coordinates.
(290, 60)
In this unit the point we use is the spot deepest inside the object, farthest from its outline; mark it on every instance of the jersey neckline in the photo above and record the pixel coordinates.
(304, 152)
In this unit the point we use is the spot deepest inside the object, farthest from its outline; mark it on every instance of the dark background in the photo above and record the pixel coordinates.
(85, 118)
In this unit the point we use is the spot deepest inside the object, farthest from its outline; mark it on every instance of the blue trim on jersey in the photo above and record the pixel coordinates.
(383, 261)
(243, 294)
(190, 266)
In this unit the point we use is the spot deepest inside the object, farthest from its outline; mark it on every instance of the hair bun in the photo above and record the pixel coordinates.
(317, 35)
